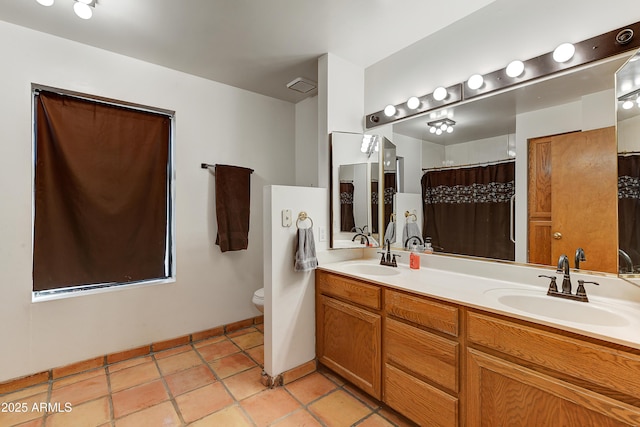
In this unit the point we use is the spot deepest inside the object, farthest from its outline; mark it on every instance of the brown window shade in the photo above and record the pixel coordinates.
(101, 193)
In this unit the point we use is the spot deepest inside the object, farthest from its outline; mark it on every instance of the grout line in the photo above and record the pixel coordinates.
(172, 398)
(112, 417)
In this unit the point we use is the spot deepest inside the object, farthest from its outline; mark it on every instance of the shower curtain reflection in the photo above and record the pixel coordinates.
(629, 212)
(467, 210)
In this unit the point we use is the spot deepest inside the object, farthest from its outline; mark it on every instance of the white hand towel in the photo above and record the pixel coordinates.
(390, 233)
(305, 250)
(410, 229)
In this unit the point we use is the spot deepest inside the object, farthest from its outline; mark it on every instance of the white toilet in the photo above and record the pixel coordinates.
(258, 299)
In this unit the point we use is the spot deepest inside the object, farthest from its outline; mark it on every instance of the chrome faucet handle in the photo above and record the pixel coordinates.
(553, 287)
(581, 292)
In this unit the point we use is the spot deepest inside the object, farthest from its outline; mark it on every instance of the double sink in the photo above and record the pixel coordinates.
(530, 302)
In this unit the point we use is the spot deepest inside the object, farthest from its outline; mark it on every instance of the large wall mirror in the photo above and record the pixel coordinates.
(628, 132)
(543, 155)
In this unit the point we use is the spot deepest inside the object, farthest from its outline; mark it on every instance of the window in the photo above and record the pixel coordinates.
(102, 193)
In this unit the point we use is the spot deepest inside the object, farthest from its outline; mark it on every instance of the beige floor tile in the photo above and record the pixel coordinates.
(172, 351)
(179, 362)
(210, 341)
(230, 416)
(129, 364)
(160, 415)
(231, 365)
(94, 413)
(138, 398)
(24, 412)
(39, 422)
(218, 350)
(190, 379)
(250, 340)
(269, 406)
(300, 418)
(339, 409)
(310, 387)
(257, 354)
(78, 377)
(21, 394)
(245, 384)
(201, 402)
(81, 391)
(136, 375)
(375, 420)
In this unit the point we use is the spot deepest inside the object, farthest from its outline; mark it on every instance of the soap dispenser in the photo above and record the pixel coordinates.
(414, 258)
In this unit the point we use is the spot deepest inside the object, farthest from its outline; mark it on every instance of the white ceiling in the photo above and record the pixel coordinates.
(258, 45)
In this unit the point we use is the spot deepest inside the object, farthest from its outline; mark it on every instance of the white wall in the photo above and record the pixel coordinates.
(306, 163)
(215, 123)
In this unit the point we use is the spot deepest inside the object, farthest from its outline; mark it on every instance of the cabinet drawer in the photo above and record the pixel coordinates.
(424, 404)
(425, 354)
(614, 369)
(434, 315)
(349, 289)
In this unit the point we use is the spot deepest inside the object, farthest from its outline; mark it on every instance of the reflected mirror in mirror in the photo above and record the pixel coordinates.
(499, 131)
(355, 177)
(628, 133)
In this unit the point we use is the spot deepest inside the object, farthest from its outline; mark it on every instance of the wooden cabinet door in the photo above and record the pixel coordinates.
(501, 393)
(349, 342)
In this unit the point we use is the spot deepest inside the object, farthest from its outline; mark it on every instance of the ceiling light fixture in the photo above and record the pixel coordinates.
(413, 102)
(515, 68)
(441, 125)
(564, 52)
(440, 93)
(83, 9)
(628, 104)
(45, 2)
(389, 110)
(475, 82)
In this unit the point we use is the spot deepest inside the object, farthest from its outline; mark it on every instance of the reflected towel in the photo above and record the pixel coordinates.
(233, 197)
(410, 229)
(390, 233)
(305, 250)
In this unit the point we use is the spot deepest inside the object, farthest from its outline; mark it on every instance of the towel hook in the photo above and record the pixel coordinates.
(393, 217)
(302, 216)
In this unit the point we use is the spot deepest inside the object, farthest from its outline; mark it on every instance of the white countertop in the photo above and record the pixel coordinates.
(482, 293)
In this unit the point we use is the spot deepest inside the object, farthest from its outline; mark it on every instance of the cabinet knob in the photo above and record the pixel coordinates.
(557, 235)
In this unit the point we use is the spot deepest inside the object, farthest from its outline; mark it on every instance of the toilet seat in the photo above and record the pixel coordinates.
(259, 295)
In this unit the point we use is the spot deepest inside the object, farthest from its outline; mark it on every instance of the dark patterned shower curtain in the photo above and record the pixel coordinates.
(387, 198)
(374, 207)
(347, 222)
(629, 209)
(467, 211)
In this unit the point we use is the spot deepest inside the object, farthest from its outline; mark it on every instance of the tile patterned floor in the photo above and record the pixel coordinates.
(214, 382)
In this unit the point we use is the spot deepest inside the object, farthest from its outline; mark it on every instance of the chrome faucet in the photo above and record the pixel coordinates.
(563, 267)
(363, 238)
(580, 256)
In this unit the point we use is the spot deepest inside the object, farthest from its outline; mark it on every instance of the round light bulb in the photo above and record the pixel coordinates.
(82, 10)
(444, 126)
(450, 129)
(627, 104)
(515, 68)
(564, 52)
(475, 82)
(45, 2)
(413, 102)
(438, 132)
(440, 93)
(389, 110)
(432, 129)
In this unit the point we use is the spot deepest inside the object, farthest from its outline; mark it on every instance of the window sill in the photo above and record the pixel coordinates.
(37, 297)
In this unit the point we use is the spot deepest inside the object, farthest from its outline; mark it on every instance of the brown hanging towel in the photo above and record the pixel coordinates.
(233, 196)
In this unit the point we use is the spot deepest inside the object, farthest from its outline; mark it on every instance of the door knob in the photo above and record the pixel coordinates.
(557, 235)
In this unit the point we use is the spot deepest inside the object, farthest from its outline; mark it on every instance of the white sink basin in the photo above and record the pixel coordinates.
(370, 269)
(540, 304)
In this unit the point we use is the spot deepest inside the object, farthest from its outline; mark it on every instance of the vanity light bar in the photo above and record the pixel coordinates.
(594, 49)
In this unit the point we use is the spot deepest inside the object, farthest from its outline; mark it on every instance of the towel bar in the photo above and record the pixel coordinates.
(207, 166)
(301, 217)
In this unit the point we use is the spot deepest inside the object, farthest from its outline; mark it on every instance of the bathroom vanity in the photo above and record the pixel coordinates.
(445, 349)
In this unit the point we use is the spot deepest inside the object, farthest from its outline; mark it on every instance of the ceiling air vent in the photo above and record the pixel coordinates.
(302, 85)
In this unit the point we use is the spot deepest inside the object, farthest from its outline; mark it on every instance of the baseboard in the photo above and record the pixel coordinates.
(107, 359)
(290, 375)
